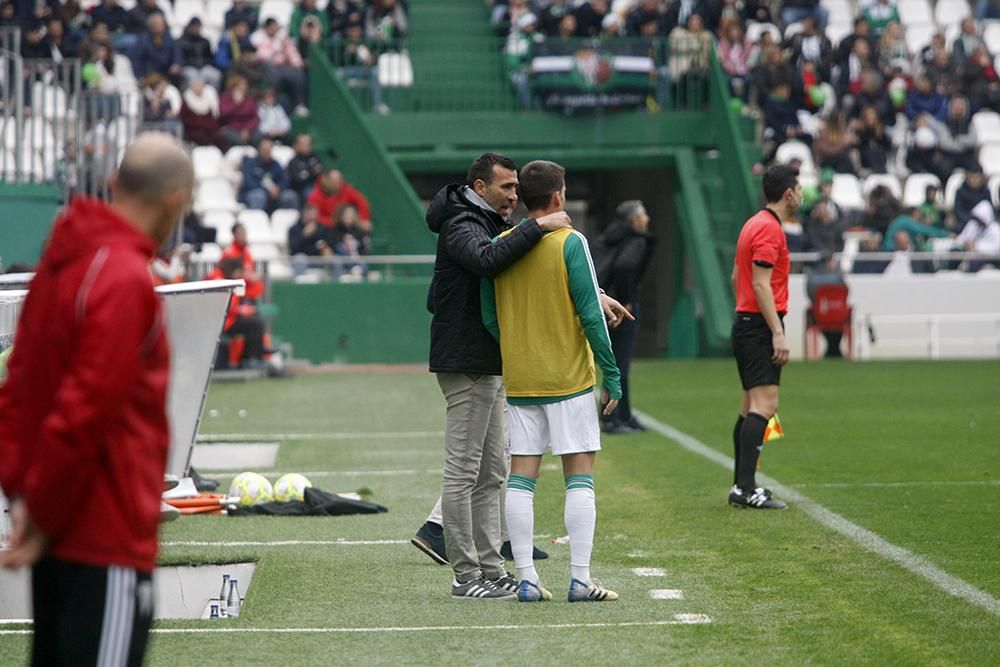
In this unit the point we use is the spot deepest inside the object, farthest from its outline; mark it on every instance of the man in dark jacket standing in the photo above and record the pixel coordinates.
(83, 422)
(621, 257)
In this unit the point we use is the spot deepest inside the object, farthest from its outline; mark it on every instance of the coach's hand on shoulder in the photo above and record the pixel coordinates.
(554, 221)
(781, 350)
(27, 542)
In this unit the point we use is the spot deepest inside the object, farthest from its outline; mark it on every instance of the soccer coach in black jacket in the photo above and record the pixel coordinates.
(466, 359)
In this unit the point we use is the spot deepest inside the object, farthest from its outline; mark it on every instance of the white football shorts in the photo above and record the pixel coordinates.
(568, 427)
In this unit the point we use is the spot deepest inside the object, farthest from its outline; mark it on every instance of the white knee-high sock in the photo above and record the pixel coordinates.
(580, 517)
(520, 500)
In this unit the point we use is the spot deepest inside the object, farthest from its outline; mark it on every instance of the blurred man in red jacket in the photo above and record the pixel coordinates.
(331, 192)
(83, 424)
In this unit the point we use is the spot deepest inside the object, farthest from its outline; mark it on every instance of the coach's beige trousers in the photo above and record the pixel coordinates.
(475, 469)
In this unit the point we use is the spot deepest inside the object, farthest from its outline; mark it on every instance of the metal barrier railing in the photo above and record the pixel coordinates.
(920, 261)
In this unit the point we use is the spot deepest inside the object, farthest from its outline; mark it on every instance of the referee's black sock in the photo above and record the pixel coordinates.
(751, 439)
(736, 445)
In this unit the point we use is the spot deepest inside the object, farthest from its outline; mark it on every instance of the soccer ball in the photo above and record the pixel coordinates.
(291, 487)
(251, 489)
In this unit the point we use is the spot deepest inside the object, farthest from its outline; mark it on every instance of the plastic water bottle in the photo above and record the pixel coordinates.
(233, 601)
(224, 591)
(214, 613)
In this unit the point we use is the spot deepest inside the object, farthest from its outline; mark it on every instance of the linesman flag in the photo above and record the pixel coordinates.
(774, 430)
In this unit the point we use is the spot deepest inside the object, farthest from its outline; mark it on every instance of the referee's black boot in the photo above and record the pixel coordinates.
(758, 499)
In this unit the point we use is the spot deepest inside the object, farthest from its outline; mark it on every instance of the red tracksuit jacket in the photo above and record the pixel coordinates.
(83, 425)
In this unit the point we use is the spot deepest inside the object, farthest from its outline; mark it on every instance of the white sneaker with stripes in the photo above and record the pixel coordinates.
(480, 589)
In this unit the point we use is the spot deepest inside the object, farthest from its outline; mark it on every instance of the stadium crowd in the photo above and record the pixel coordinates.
(861, 97)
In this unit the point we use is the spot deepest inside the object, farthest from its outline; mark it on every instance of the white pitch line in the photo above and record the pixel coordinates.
(677, 619)
(892, 485)
(649, 572)
(865, 538)
(333, 473)
(284, 543)
(666, 594)
(384, 435)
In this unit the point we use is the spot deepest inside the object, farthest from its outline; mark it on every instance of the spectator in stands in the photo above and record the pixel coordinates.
(968, 42)
(284, 65)
(157, 51)
(264, 186)
(757, 10)
(646, 19)
(823, 231)
(357, 63)
(74, 18)
(879, 14)
(550, 16)
(8, 15)
(518, 52)
(352, 236)
(331, 192)
(690, 55)
(835, 144)
(979, 80)
(196, 53)
(924, 153)
(938, 44)
(811, 45)
(61, 45)
(872, 93)
(200, 114)
(239, 122)
(304, 9)
(310, 32)
(385, 21)
(341, 12)
(858, 62)
(161, 104)
(981, 234)
(892, 50)
(567, 28)
(771, 72)
(734, 56)
(242, 319)
(917, 232)
(274, 121)
(115, 17)
(612, 27)
(957, 135)
(240, 249)
(97, 74)
(781, 120)
(987, 9)
(972, 191)
(930, 212)
(861, 31)
(304, 168)
(590, 17)
(882, 208)
(308, 238)
(874, 142)
(237, 55)
(793, 11)
(505, 15)
(34, 46)
(678, 13)
(242, 10)
(138, 16)
(943, 69)
(925, 99)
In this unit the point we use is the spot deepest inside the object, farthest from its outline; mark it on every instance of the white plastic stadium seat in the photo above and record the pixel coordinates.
(185, 10)
(987, 124)
(210, 253)
(951, 12)
(216, 194)
(793, 29)
(277, 9)
(951, 33)
(846, 192)
(207, 162)
(994, 186)
(915, 190)
(791, 150)
(839, 12)
(837, 31)
(282, 154)
(989, 157)
(264, 252)
(991, 35)
(912, 12)
(395, 70)
(281, 221)
(919, 35)
(215, 15)
(951, 187)
(217, 219)
(888, 180)
(754, 31)
(258, 226)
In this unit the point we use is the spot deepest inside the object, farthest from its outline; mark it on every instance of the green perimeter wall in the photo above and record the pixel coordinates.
(26, 214)
(362, 323)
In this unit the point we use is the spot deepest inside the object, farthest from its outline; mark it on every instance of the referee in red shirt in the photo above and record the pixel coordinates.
(83, 421)
(760, 280)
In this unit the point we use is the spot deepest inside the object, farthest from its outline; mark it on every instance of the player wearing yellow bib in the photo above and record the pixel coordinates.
(545, 312)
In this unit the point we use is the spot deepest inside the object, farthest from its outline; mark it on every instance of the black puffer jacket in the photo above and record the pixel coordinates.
(466, 253)
(621, 257)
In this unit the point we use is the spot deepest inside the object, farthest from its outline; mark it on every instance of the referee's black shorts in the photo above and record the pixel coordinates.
(753, 350)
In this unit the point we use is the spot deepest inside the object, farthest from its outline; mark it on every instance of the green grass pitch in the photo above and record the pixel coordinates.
(909, 451)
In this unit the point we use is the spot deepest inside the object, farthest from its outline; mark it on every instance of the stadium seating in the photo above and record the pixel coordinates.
(281, 221)
(919, 35)
(208, 162)
(257, 224)
(796, 150)
(915, 190)
(888, 180)
(991, 36)
(282, 154)
(989, 158)
(915, 12)
(215, 194)
(987, 124)
(846, 192)
(951, 12)
(951, 187)
(278, 9)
